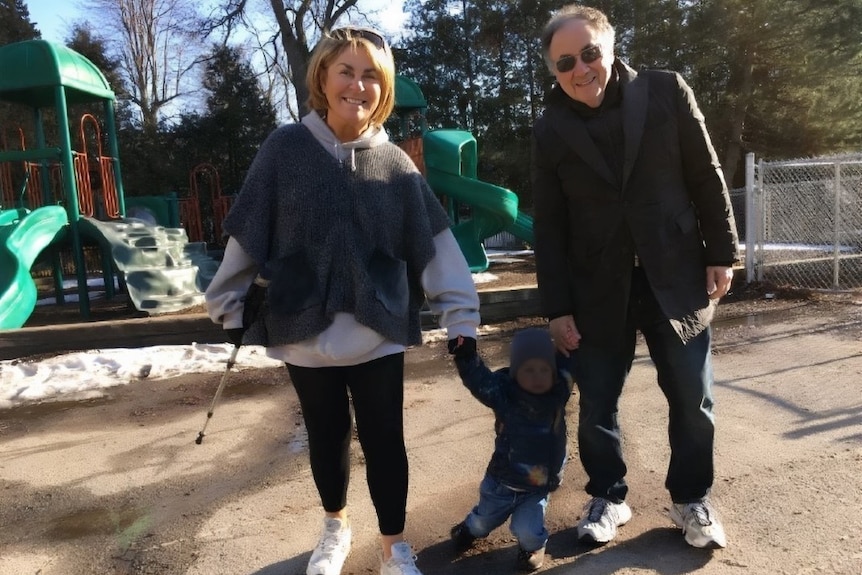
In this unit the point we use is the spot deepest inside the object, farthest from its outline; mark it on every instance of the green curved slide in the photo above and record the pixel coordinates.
(450, 161)
(23, 236)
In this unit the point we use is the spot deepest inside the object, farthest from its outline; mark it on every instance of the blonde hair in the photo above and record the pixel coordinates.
(592, 16)
(334, 43)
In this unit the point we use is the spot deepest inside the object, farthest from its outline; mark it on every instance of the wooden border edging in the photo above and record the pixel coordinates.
(496, 306)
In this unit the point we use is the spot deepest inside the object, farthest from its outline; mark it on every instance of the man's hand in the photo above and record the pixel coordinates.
(718, 280)
(462, 347)
(565, 334)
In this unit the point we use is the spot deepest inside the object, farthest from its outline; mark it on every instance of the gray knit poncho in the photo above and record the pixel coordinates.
(336, 240)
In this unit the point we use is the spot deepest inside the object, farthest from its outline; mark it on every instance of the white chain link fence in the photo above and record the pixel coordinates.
(802, 222)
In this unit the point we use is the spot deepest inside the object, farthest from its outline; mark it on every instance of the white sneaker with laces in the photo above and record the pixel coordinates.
(601, 519)
(699, 523)
(332, 549)
(402, 562)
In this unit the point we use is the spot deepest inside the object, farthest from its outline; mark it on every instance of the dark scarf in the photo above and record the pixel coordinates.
(604, 123)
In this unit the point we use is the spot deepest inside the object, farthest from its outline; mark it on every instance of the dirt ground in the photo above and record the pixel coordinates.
(116, 485)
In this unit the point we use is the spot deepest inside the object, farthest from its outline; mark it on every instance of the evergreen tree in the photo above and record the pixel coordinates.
(95, 48)
(15, 24)
(238, 116)
(776, 77)
(438, 57)
(480, 67)
(227, 134)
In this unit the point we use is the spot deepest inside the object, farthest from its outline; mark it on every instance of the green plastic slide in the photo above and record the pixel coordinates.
(450, 161)
(23, 236)
(522, 228)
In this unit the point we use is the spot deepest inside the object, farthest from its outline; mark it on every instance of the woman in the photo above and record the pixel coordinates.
(353, 241)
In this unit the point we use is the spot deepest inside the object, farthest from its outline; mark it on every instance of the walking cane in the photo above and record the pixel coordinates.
(230, 363)
(253, 301)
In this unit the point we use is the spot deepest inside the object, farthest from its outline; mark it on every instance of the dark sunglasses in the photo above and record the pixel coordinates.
(349, 33)
(588, 55)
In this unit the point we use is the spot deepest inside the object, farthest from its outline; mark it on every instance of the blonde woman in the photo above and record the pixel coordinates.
(353, 241)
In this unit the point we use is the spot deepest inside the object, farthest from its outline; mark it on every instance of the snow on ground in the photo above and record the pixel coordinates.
(82, 375)
(85, 374)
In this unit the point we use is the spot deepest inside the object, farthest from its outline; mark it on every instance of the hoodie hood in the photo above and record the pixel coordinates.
(343, 151)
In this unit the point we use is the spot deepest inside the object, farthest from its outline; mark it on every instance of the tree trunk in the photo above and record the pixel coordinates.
(736, 120)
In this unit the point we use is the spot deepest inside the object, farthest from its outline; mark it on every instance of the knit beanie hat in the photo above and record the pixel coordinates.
(531, 343)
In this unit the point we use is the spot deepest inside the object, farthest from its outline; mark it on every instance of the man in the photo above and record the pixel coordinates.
(634, 231)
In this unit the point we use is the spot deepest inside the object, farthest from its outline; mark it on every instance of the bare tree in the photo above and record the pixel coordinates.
(299, 24)
(158, 42)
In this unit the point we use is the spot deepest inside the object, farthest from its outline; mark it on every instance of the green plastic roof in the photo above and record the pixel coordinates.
(408, 95)
(31, 71)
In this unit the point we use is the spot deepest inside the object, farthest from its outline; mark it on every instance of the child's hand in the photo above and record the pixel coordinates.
(462, 347)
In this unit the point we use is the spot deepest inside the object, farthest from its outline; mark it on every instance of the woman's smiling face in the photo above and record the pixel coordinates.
(586, 82)
(352, 88)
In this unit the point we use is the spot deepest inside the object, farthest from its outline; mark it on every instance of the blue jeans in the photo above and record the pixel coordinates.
(684, 376)
(497, 503)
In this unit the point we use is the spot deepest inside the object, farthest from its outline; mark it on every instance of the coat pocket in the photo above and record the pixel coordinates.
(294, 285)
(389, 277)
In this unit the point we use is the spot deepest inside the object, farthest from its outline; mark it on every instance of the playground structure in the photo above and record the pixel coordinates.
(54, 196)
(449, 160)
(190, 207)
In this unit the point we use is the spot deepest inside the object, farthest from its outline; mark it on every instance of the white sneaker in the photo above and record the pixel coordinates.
(601, 519)
(332, 549)
(699, 524)
(402, 562)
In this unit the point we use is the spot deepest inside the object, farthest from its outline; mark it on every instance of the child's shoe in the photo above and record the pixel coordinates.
(462, 538)
(530, 560)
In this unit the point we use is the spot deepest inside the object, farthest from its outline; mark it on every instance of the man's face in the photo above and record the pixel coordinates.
(586, 81)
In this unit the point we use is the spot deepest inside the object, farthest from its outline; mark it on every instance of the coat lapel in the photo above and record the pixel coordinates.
(635, 96)
(574, 133)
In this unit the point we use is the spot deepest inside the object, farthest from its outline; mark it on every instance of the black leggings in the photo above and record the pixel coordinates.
(377, 390)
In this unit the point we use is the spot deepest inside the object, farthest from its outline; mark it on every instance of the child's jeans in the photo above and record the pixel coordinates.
(497, 502)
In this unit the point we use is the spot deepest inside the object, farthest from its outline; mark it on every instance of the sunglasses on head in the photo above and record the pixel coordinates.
(588, 55)
(349, 33)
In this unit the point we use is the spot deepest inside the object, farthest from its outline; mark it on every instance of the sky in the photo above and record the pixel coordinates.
(87, 374)
(54, 18)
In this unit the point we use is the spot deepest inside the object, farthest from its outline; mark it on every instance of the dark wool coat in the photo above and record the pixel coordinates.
(670, 206)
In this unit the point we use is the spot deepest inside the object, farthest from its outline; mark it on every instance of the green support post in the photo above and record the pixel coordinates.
(71, 187)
